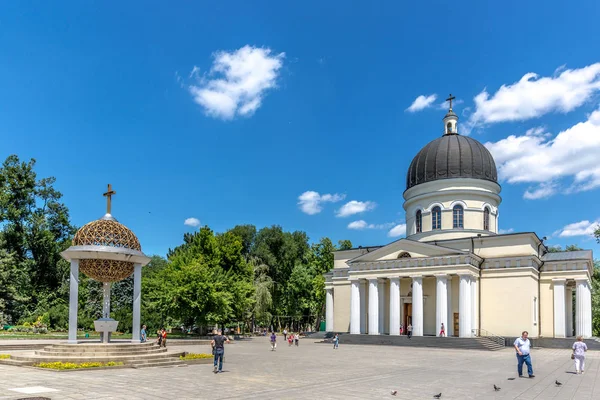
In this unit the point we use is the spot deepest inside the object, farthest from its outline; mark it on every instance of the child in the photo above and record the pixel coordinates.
(336, 341)
(273, 341)
(291, 339)
(163, 335)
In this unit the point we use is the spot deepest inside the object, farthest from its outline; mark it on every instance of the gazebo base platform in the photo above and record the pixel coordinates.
(135, 355)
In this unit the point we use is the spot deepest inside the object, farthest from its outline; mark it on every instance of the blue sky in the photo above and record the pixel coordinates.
(228, 113)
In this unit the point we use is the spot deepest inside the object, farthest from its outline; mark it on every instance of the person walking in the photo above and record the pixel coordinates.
(409, 330)
(523, 348)
(218, 344)
(579, 349)
(336, 341)
(163, 337)
(291, 339)
(296, 338)
(284, 334)
(143, 334)
(442, 331)
(273, 341)
(401, 329)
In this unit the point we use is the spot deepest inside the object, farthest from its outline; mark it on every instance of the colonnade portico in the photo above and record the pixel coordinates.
(563, 307)
(367, 310)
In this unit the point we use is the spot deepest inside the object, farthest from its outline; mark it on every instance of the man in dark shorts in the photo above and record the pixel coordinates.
(217, 344)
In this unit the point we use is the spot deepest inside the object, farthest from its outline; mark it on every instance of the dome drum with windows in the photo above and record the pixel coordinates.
(452, 187)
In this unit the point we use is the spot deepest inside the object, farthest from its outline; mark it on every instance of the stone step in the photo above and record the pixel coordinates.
(45, 353)
(165, 363)
(30, 346)
(416, 341)
(124, 358)
(16, 363)
(120, 346)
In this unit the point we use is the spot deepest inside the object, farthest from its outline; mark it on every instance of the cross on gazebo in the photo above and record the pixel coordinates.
(450, 98)
(108, 196)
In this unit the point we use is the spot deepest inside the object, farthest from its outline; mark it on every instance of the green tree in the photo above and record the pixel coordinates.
(344, 244)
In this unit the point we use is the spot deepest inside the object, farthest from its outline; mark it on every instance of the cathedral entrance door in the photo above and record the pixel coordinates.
(407, 315)
(455, 324)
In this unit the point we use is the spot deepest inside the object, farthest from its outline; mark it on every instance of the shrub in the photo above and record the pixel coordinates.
(4, 356)
(195, 356)
(59, 365)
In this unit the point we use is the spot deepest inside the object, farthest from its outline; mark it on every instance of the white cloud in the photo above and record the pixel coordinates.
(310, 202)
(534, 96)
(421, 103)
(246, 75)
(355, 207)
(398, 230)
(541, 191)
(504, 231)
(538, 157)
(195, 222)
(362, 224)
(581, 228)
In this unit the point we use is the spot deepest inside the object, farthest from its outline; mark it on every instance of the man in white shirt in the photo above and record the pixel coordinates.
(523, 347)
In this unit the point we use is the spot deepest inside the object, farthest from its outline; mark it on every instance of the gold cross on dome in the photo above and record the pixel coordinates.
(450, 98)
(108, 196)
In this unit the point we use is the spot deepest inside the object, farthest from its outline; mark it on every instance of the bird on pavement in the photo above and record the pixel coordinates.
(558, 383)
(437, 396)
(511, 379)
(394, 392)
(496, 388)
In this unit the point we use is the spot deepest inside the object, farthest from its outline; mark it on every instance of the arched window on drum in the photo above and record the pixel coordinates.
(419, 221)
(486, 219)
(436, 218)
(457, 217)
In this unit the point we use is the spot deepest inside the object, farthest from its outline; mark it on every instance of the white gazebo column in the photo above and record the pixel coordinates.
(464, 306)
(381, 311)
(329, 309)
(363, 306)
(395, 306)
(373, 307)
(106, 300)
(450, 327)
(583, 311)
(569, 310)
(355, 307)
(73, 300)
(441, 303)
(558, 287)
(417, 306)
(137, 302)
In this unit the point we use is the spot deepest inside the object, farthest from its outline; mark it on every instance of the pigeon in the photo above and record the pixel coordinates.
(394, 392)
(437, 396)
(496, 388)
(511, 379)
(558, 383)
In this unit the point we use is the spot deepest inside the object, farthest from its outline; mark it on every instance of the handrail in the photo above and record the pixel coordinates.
(487, 334)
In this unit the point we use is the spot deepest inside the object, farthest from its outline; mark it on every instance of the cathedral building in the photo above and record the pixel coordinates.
(454, 267)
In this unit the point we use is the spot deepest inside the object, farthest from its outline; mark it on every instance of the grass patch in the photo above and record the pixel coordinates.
(4, 356)
(59, 365)
(195, 356)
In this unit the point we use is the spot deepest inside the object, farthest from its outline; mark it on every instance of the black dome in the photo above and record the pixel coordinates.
(451, 156)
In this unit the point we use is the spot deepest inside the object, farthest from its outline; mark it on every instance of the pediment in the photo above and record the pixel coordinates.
(406, 248)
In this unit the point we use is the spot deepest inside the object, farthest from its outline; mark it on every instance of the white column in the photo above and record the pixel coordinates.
(464, 306)
(450, 327)
(441, 304)
(569, 310)
(395, 306)
(363, 306)
(473, 304)
(106, 300)
(373, 307)
(329, 310)
(381, 312)
(558, 287)
(355, 308)
(583, 310)
(137, 302)
(73, 300)
(417, 306)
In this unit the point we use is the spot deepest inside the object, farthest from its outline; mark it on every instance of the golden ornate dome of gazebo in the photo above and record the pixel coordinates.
(107, 232)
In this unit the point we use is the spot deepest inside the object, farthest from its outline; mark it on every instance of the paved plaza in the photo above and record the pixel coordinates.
(316, 371)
